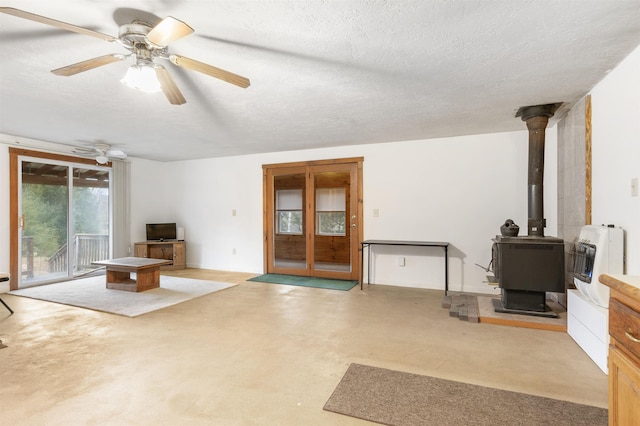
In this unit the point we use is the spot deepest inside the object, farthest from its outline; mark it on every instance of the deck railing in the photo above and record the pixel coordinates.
(86, 247)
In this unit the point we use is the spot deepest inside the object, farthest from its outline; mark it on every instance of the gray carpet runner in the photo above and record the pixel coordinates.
(397, 398)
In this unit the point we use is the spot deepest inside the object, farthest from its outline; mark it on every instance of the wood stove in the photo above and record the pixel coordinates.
(527, 267)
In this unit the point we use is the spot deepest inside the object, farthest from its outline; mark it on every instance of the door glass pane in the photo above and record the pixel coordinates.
(290, 245)
(331, 211)
(44, 205)
(90, 238)
(332, 248)
(289, 211)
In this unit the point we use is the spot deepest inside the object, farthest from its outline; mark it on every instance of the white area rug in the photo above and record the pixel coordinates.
(92, 293)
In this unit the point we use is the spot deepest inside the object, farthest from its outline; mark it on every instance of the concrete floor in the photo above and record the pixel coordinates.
(260, 354)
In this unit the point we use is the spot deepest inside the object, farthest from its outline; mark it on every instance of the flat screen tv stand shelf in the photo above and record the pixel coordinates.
(172, 250)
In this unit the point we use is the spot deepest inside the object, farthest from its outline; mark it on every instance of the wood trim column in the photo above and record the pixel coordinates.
(14, 221)
(587, 161)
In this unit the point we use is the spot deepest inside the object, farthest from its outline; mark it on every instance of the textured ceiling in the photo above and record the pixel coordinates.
(323, 72)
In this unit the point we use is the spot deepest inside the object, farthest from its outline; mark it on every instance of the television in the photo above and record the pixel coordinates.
(161, 231)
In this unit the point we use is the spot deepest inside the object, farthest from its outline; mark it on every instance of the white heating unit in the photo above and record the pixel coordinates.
(599, 250)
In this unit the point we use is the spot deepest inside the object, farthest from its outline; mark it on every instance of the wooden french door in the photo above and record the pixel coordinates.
(313, 218)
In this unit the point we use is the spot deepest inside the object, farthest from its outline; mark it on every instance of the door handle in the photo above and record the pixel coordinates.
(353, 225)
(22, 221)
(631, 337)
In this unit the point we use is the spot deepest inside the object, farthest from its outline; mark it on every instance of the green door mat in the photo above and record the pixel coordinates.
(305, 281)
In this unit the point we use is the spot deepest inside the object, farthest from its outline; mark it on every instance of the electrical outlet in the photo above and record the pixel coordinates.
(376, 212)
(233, 251)
(401, 261)
(634, 187)
(233, 212)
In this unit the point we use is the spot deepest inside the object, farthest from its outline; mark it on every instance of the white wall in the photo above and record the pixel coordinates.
(150, 202)
(458, 190)
(616, 153)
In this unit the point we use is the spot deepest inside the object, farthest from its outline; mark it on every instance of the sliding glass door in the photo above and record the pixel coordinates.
(44, 195)
(63, 226)
(90, 205)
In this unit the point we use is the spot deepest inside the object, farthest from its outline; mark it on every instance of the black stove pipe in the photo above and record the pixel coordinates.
(536, 117)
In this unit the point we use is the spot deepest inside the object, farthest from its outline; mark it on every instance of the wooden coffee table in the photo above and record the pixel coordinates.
(119, 273)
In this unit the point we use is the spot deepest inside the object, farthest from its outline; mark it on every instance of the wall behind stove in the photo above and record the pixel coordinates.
(572, 186)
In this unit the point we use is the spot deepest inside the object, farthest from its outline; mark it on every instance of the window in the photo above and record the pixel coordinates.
(331, 211)
(289, 211)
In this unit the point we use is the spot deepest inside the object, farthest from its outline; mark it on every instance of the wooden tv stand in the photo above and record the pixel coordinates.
(172, 250)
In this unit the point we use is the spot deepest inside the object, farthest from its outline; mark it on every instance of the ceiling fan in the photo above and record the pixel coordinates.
(145, 43)
(102, 152)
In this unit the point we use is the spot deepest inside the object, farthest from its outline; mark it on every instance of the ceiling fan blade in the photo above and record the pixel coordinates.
(89, 64)
(169, 87)
(82, 150)
(55, 23)
(168, 30)
(194, 65)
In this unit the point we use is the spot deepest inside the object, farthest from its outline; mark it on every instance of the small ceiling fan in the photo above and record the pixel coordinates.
(145, 43)
(102, 152)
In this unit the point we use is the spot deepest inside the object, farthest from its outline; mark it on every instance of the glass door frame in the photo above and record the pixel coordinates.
(16, 157)
(354, 223)
(271, 207)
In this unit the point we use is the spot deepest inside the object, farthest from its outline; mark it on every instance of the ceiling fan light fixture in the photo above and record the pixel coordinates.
(102, 159)
(145, 43)
(143, 78)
